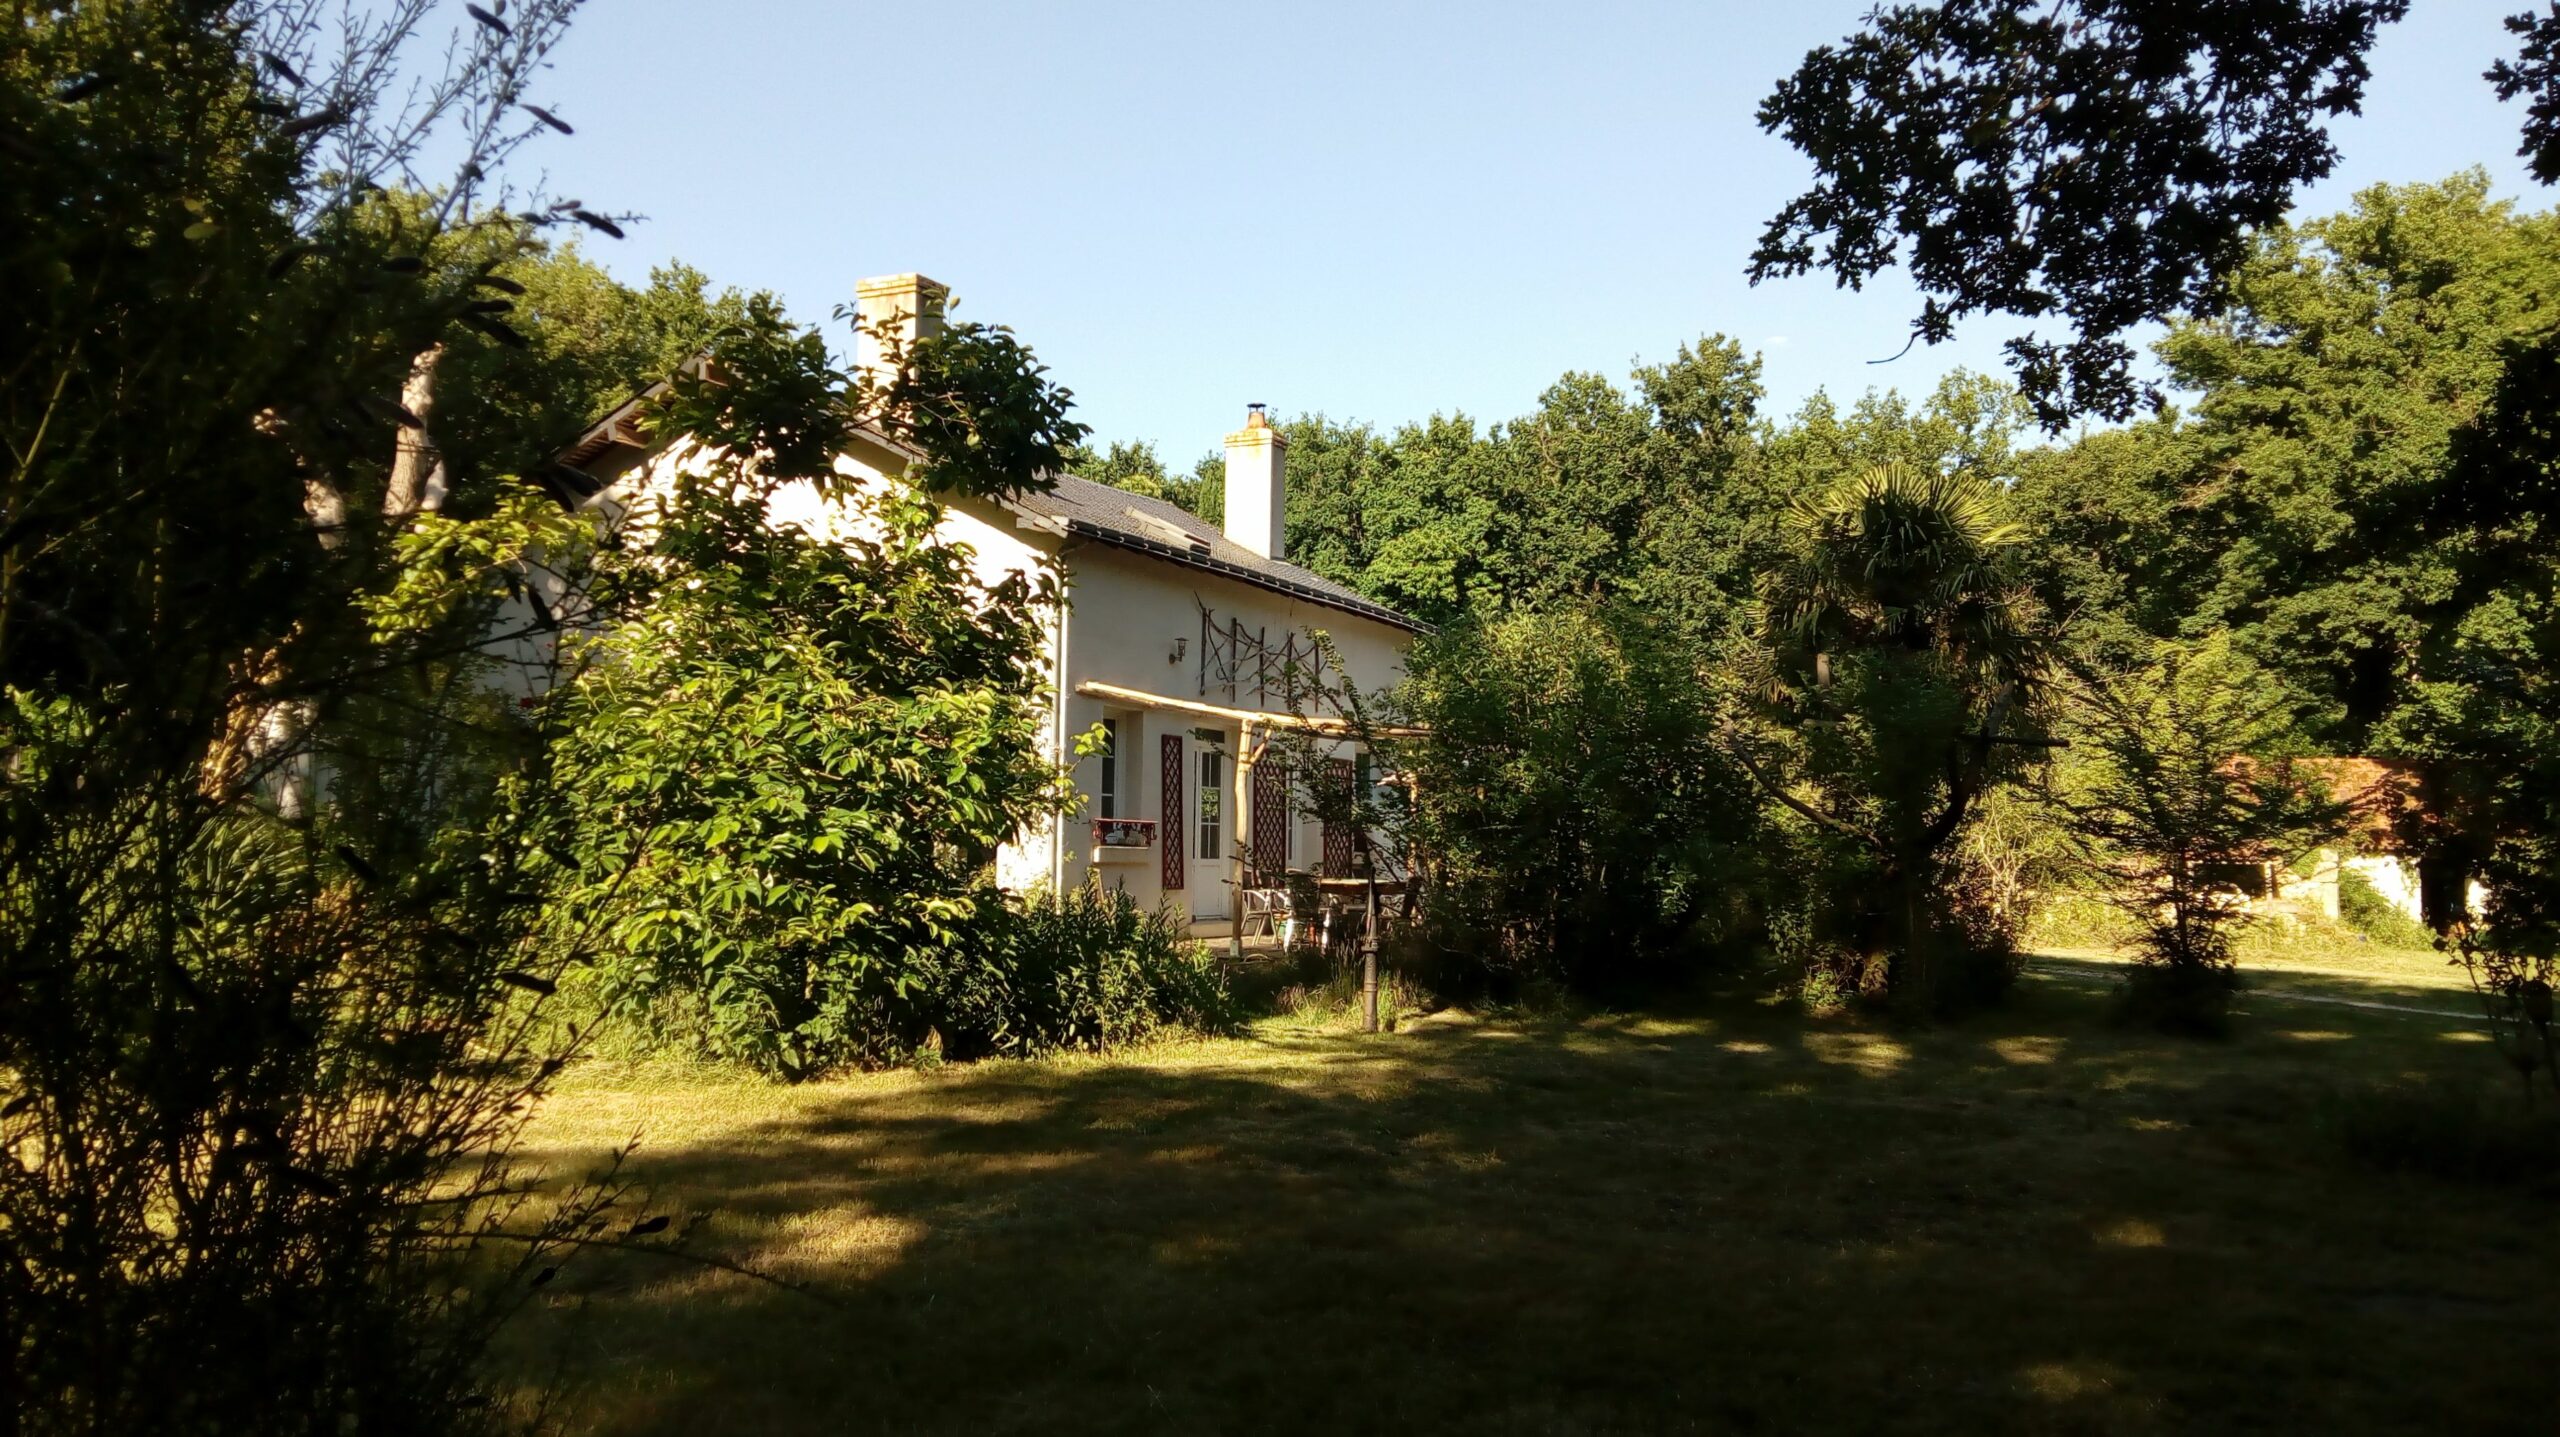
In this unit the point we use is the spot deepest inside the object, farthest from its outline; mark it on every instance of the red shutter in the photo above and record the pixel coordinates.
(1270, 823)
(1169, 847)
(1340, 773)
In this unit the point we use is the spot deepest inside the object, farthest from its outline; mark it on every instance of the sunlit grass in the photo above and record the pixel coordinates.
(1729, 1220)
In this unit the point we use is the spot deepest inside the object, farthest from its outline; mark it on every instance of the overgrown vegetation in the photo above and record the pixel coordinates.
(263, 1057)
(817, 740)
(1573, 819)
(1084, 970)
(290, 871)
(2362, 907)
(342, 727)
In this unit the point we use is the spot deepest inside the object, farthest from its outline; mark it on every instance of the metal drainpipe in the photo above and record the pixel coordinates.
(1058, 826)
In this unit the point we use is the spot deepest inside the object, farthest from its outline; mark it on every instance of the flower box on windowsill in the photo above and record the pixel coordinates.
(1123, 840)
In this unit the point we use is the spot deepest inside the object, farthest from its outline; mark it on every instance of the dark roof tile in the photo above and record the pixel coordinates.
(1149, 526)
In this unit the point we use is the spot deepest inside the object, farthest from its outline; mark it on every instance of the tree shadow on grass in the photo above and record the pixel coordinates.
(1733, 1221)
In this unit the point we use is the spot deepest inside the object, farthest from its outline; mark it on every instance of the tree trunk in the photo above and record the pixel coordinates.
(417, 479)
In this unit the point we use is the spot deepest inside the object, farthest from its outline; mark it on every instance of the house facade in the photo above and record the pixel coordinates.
(1186, 645)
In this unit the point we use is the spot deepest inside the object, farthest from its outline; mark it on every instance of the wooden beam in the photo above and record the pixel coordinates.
(1245, 718)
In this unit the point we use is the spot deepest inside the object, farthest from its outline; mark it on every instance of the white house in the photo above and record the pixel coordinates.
(1180, 640)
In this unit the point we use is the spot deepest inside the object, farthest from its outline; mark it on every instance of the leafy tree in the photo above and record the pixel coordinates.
(2103, 163)
(788, 764)
(1894, 658)
(2361, 500)
(2122, 551)
(590, 342)
(1337, 473)
(1412, 522)
(2319, 467)
(2181, 781)
(2486, 700)
(1597, 494)
(1203, 491)
(1134, 467)
(1714, 519)
(1138, 469)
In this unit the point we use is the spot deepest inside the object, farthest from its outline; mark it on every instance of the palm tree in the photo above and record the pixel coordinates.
(1902, 558)
(1891, 647)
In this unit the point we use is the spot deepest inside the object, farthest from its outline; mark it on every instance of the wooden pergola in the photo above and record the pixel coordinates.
(1255, 727)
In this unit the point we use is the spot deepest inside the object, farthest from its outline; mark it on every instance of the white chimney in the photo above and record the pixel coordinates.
(1257, 461)
(895, 311)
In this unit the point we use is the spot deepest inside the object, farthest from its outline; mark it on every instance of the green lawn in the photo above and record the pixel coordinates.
(1723, 1221)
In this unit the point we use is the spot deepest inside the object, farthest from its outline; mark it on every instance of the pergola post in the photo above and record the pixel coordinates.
(1246, 756)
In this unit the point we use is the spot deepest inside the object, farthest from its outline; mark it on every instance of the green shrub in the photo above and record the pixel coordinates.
(1085, 969)
(1963, 956)
(2362, 907)
(2160, 809)
(2191, 999)
(1016, 979)
(2072, 919)
(1574, 819)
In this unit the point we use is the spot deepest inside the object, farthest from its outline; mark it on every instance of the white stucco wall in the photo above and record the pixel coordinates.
(2395, 880)
(1128, 613)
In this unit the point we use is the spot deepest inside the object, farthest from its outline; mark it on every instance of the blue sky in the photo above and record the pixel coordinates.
(1378, 211)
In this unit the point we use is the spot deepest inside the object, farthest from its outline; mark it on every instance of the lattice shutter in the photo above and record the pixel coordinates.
(1341, 775)
(1169, 849)
(1270, 823)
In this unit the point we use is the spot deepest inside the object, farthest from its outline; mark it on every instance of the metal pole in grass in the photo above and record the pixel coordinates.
(1369, 961)
(1367, 864)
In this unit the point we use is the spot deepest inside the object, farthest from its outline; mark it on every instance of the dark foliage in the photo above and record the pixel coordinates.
(1890, 687)
(1573, 818)
(2097, 162)
(1084, 970)
(261, 1060)
(2535, 72)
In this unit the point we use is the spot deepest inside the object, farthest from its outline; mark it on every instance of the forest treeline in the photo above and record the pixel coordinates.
(2306, 492)
(2348, 500)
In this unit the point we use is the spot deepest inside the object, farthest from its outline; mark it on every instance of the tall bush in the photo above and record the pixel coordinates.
(1087, 969)
(1572, 816)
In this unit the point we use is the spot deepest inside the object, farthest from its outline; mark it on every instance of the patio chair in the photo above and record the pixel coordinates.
(1305, 909)
(1263, 906)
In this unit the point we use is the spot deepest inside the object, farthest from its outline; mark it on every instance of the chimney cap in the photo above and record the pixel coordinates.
(1258, 428)
(887, 285)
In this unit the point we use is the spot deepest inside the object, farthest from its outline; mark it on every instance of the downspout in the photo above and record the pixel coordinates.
(1062, 693)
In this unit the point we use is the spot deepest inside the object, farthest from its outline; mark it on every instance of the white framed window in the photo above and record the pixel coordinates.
(1209, 771)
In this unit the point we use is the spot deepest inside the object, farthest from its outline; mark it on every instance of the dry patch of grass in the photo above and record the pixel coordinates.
(1722, 1221)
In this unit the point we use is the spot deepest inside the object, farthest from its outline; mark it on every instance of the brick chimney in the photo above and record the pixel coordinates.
(1257, 463)
(896, 310)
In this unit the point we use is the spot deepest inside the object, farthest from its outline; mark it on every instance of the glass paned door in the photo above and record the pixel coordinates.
(1211, 891)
